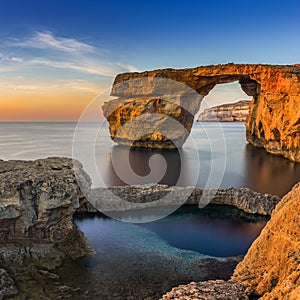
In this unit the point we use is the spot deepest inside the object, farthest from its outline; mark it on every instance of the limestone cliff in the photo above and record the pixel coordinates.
(37, 203)
(272, 265)
(231, 112)
(37, 234)
(274, 114)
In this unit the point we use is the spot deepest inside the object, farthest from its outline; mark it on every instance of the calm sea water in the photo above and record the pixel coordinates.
(216, 154)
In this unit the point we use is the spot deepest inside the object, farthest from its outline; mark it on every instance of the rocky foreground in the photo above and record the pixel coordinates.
(231, 112)
(270, 269)
(39, 198)
(156, 109)
(122, 198)
(37, 202)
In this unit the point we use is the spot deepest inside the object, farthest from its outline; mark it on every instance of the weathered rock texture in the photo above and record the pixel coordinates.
(37, 203)
(151, 122)
(271, 267)
(144, 196)
(231, 112)
(274, 115)
(208, 290)
(7, 285)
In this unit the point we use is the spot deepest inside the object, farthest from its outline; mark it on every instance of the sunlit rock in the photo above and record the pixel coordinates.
(231, 112)
(271, 267)
(274, 115)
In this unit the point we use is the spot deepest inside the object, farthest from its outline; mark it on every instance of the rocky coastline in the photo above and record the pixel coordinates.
(37, 234)
(231, 112)
(39, 199)
(122, 198)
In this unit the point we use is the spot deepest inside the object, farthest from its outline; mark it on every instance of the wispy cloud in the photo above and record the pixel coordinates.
(91, 66)
(5, 58)
(25, 85)
(46, 40)
(63, 53)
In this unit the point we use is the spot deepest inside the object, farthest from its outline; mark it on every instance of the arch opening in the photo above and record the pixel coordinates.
(223, 94)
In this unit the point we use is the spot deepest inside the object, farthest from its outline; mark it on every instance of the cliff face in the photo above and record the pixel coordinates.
(37, 203)
(232, 112)
(274, 114)
(272, 265)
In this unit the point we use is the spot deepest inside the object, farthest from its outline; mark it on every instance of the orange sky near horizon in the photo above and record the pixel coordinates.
(62, 103)
(50, 106)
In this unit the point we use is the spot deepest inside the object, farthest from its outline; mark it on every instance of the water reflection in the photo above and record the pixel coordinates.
(214, 230)
(177, 161)
(268, 173)
(246, 166)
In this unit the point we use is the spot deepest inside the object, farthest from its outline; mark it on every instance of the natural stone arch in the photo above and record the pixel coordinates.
(273, 121)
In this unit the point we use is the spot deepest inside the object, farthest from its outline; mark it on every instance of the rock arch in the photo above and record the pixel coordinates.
(273, 121)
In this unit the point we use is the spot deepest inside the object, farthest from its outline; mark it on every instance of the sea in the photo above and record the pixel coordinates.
(215, 155)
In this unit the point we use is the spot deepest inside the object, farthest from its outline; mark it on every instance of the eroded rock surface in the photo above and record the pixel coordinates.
(271, 268)
(38, 199)
(37, 202)
(146, 196)
(208, 290)
(274, 115)
(7, 285)
(231, 112)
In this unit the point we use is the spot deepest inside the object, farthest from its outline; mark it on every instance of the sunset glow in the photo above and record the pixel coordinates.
(56, 56)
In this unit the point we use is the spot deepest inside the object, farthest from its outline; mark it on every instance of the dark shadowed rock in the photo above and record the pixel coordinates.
(7, 285)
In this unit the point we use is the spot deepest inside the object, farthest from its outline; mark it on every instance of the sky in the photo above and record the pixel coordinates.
(56, 56)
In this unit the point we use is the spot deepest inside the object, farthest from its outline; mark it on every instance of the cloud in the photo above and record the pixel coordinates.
(5, 58)
(46, 40)
(73, 55)
(25, 85)
(89, 67)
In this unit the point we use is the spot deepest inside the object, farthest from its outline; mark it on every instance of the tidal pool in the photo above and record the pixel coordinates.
(143, 261)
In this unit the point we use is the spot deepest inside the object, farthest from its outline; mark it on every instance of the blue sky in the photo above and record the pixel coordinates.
(78, 46)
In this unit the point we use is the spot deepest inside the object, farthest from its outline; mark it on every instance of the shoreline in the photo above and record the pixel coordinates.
(138, 197)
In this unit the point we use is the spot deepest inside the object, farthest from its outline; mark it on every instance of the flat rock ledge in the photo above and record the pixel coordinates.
(122, 198)
(208, 290)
